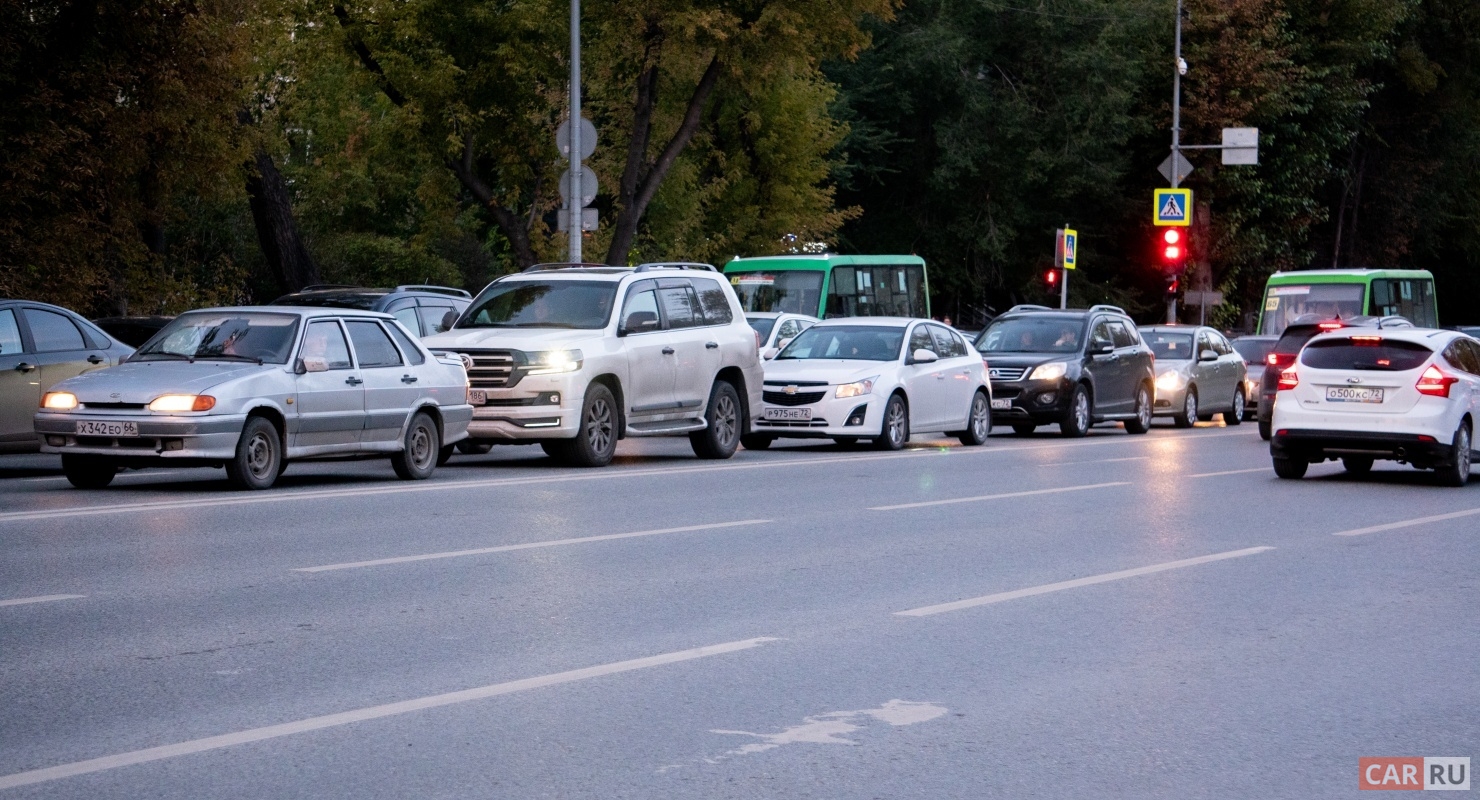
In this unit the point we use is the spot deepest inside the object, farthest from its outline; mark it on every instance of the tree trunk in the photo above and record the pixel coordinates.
(277, 231)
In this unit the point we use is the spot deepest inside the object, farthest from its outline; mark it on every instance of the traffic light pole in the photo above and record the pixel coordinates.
(574, 202)
(1176, 133)
(1064, 290)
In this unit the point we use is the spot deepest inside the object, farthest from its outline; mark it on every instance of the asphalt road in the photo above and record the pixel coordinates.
(1116, 616)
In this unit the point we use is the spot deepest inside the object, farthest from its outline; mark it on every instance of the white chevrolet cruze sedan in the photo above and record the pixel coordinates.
(879, 378)
(1407, 394)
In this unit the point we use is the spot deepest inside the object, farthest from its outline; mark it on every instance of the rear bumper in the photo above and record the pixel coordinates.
(1319, 445)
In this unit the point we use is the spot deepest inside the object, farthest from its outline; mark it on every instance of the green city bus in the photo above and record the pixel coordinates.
(830, 285)
(1330, 293)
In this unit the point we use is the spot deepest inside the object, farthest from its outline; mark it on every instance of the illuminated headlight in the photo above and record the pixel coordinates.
(552, 362)
(59, 401)
(1168, 381)
(1051, 371)
(856, 388)
(183, 402)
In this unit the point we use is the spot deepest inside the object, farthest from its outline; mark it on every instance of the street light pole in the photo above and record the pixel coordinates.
(573, 203)
(1176, 133)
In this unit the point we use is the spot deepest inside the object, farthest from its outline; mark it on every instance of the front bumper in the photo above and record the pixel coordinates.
(1040, 402)
(830, 417)
(210, 437)
(1169, 401)
(539, 407)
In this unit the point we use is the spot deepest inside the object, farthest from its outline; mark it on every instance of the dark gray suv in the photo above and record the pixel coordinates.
(424, 310)
(1072, 368)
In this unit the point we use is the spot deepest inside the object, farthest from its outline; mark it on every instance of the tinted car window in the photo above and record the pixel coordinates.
(1253, 350)
(1473, 348)
(1101, 334)
(406, 313)
(52, 332)
(433, 319)
(763, 326)
(1220, 344)
(407, 346)
(1365, 353)
(789, 330)
(325, 340)
(1031, 335)
(714, 302)
(640, 314)
(10, 334)
(866, 343)
(1123, 335)
(680, 306)
(920, 340)
(372, 345)
(1170, 346)
(947, 344)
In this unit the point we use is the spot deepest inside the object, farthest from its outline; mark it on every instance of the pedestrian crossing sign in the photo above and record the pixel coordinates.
(1071, 248)
(1172, 207)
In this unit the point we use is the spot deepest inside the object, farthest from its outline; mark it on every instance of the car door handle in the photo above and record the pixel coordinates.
(24, 367)
(94, 359)
(353, 381)
(711, 345)
(408, 379)
(667, 351)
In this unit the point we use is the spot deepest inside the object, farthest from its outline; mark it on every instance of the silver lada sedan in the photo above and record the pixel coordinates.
(253, 388)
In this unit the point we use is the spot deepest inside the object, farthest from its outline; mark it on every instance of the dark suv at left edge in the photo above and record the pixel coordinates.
(1072, 368)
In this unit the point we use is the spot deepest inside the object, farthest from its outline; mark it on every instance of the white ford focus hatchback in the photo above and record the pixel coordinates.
(1408, 395)
(879, 378)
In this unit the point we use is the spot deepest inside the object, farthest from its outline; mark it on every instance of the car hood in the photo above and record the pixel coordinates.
(1025, 359)
(142, 381)
(824, 369)
(526, 339)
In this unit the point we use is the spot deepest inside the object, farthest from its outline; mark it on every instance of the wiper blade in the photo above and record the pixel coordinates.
(232, 357)
(165, 354)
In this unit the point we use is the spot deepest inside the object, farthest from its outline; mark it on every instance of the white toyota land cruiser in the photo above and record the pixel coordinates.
(549, 361)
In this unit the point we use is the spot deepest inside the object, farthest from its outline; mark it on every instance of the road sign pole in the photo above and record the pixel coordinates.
(1064, 290)
(1176, 132)
(573, 204)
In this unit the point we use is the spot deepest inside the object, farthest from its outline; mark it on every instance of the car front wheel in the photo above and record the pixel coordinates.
(896, 430)
(88, 472)
(596, 440)
(721, 434)
(756, 441)
(1456, 472)
(1189, 409)
(1076, 420)
(419, 449)
(259, 455)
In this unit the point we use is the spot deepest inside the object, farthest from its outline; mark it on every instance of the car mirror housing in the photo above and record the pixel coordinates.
(310, 364)
(448, 320)
(1207, 355)
(1101, 348)
(923, 356)
(771, 352)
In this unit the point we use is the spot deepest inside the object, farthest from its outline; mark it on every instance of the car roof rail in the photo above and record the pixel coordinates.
(422, 287)
(652, 265)
(1110, 308)
(321, 286)
(554, 265)
(1029, 307)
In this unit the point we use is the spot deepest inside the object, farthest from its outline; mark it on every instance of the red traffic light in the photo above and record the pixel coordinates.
(1051, 278)
(1174, 250)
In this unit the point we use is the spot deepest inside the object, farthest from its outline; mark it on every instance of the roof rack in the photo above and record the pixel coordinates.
(421, 287)
(675, 265)
(1028, 307)
(568, 265)
(1115, 309)
(321, 286)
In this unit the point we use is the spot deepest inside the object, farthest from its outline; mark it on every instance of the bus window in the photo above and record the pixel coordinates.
(896, 290)
(1410, 298)
(797, 292)
(1282, 304)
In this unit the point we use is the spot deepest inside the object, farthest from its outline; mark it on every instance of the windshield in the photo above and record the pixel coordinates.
(1253, 350)
(542, 304)
(837, 342)
(1282, 304)
(1032, 335)
(227, 336)
(1169, 346)
(795, 292)
(762, 325)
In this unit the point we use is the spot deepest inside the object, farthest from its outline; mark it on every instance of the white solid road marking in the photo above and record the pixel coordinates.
(1003, 496)
(803, 460)
(1408, 523)
(1003, 597)
(45, 598)
(1231, 472)
(1097, 461)
(361, 715)
(528, 546)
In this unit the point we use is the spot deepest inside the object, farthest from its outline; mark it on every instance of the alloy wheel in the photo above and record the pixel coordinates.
(895, 423)
(981, 419)
(599, 426)
(1081, 411)
(725, 419)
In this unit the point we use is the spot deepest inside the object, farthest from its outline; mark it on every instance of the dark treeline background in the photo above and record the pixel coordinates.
(159, 155)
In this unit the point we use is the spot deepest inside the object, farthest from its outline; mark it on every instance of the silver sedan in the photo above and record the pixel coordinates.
(253, 388)
(1198, 374)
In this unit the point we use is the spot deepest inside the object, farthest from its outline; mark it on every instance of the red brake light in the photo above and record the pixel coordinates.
(1272, 359)
(1288, 379)
(1434, 382)
(1366, 341)
(1330, 326)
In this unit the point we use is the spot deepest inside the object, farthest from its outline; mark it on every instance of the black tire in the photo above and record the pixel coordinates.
(1266, 429)
(555, 449)
(1142, 421)
(1078, 416)
(473, 447)
(445, 454)
(1236, 415)
(756, 441)
(845, 441)
(1023, 428)
(259, 454)
(420, 448)
(1357, 465)
(596, 440)
(978, 421)
(88, 472)
(1456, 470)
(721, 435)
(895, 432)
(1291, 469)
(1188, 414)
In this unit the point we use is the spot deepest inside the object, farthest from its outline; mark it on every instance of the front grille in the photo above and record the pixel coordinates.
(1006, 393)
(491, 368)
(796, 383)
(798, 399)
(1006, 373)
(782, 423)
(117, 406)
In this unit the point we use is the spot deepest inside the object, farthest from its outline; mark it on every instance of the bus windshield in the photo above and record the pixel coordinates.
(1282, 304)
(795, 291)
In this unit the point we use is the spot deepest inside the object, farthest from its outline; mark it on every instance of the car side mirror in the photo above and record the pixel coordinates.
(923, 356)
(311, 364)
(771, 352)
(1101, 348)
(448, 320)
(1207, 355)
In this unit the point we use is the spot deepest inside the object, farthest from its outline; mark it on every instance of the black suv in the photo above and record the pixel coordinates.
(1071, 367)
(424, 310)
(1294, 337)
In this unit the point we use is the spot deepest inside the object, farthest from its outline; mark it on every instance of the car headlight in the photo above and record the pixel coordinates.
(1168, 381)
(856, 388)
(183, 402)
(59, 401)
(1051, 371)
(552, 362)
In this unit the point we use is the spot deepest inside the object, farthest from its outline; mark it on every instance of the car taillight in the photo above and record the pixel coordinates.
(1288, 379)
(1280, 359)
(1434, 383)
(1330, 326)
